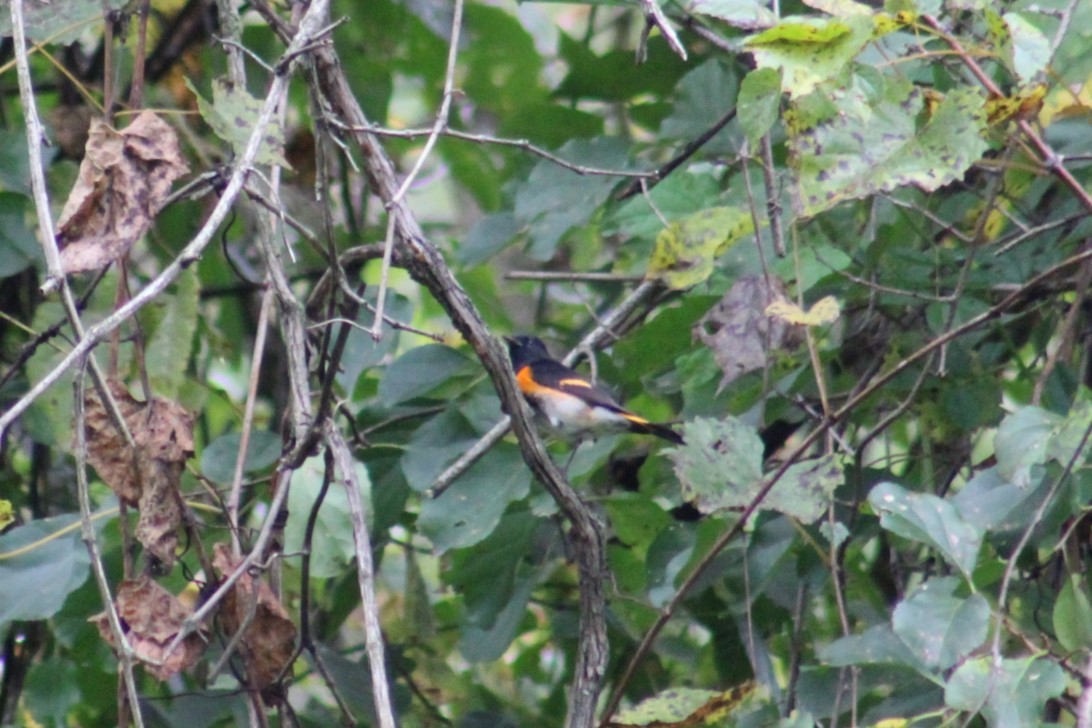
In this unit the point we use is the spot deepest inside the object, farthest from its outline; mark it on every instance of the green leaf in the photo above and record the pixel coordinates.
(876, 645)
(745, 14)
(686, 250)
(810, 50)
(1011, 696)
(759, 102)
(672, 707)
(470, 509)
(18, 247)
(479, 644)
(990, 503)
(40, 568)
(1070, 434)
(232, 116)
(422, 370)
(940, 628)
(168, 351)
(1022, 441)
(705, 94)
(486, 574)
(1028, 51)
(332, 547)
(53, 22)
(1073, 615)
(929, 520)
(877, 146)
(218, 458)
(554, 199)
(805, 489)
(721, 464)
(487, 237)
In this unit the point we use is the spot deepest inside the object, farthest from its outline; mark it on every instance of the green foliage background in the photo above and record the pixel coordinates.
(945, 579)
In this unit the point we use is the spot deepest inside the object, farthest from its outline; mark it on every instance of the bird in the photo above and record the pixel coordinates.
(571, 404)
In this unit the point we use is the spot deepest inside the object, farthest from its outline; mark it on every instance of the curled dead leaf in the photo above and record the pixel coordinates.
(738, 331)
(151, 617)
(269, 636)
(149, 478)
(124, 178)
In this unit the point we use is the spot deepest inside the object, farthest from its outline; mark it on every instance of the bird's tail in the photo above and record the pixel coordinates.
(643, 427)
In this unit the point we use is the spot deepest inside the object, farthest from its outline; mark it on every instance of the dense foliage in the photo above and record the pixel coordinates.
(845, 248)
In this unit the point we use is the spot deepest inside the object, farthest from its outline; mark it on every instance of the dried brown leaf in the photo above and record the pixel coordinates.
(738, 330)
(123, 180)
(151, 618)
(269, 636)
(149, 479)
(107, 450)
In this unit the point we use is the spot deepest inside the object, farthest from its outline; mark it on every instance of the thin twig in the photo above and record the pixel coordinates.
(257, 356)
(90, 539)
(523, 144)
(439, 125)
(373, 632)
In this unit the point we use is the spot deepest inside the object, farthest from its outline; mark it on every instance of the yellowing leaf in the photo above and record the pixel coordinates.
(7, 514)
(826, 310)
(685, 250)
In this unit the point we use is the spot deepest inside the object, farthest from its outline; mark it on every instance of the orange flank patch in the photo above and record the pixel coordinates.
(527, 383)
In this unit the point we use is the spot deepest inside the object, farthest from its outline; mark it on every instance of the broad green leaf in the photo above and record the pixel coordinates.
(232, 115)
(686, 250)
(1022, 441)
(759, 102)
(61, 23)
(840, 8)
(218, 457)
(41, 563)
(684, 707)
(1073, 615)
(422, 370)
(332, 547)
(940, 628)
(745, 14)
(51, 691)
(478, 644)
(18, 247)
(1011, 696)
(705, 95)
(554, 199)
(876, 645)
(434, 445)
(930, 520)
(168, 350)
(992, 504)
(721, 465)
(487, 237)
(470, 509)
(882, 145)
(1029, 52)
(486, 573)
(810, 50)
(681, 194)
(1069, 435)
(805, 489)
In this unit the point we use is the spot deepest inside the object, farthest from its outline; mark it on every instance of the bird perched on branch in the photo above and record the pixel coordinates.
(572, 405)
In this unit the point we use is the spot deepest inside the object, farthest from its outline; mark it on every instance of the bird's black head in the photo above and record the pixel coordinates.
(526, 349)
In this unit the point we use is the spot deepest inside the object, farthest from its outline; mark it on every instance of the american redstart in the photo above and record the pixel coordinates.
(567, 400)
